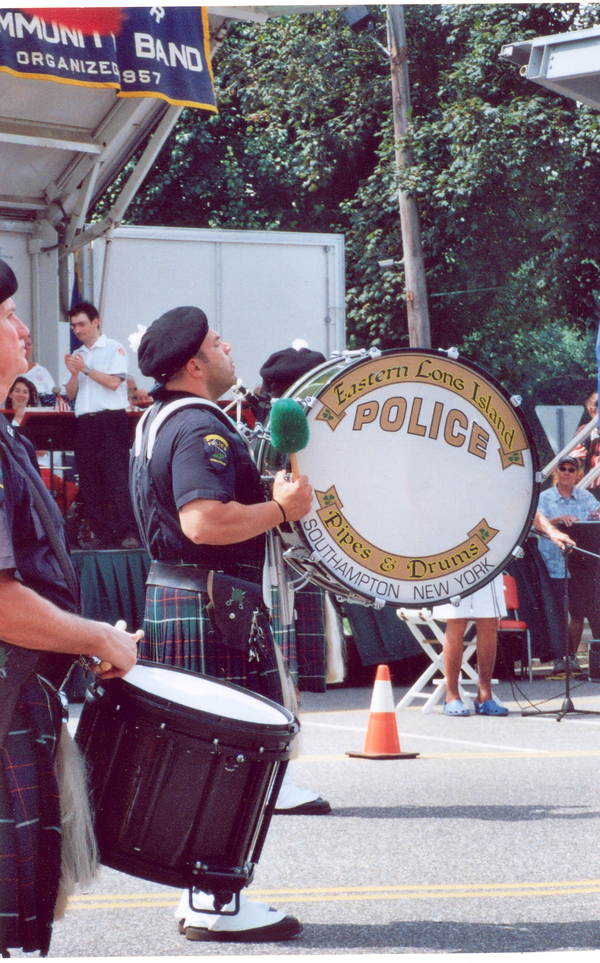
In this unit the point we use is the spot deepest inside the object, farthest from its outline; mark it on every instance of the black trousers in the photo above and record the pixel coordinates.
(102, 461)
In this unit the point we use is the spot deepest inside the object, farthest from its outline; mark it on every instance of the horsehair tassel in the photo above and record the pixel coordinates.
(289, 430)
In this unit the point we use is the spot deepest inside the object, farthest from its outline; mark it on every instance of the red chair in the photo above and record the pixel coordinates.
(512, 624)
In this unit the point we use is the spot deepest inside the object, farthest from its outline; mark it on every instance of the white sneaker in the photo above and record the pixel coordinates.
(255, 922)
(293, 799)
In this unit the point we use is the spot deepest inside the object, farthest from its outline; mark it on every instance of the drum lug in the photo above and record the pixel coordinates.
(452, 353)
(518, 552)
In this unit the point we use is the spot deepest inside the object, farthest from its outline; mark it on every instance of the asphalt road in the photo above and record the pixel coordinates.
(488, 842)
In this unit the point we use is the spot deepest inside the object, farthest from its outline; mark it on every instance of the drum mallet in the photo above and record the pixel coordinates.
(289, 430)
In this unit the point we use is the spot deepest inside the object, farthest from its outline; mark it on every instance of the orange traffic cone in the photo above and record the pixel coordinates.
(382, 740)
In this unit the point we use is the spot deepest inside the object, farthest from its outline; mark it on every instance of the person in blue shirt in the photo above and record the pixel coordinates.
(565, 504)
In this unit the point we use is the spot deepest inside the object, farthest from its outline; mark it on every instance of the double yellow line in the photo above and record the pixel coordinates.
(332, 894)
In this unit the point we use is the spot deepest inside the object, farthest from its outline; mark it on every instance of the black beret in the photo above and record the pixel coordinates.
(283, 368)
(170, 341)
(8, 281)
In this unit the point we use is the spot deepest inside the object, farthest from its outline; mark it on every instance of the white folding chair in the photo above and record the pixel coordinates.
(415, 619)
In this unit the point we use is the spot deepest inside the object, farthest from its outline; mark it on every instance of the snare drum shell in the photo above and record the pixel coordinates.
(174, 788)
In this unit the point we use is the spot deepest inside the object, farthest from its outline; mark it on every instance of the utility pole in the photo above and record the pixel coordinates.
(414, 267)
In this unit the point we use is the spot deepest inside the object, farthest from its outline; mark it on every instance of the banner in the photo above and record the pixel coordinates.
(161, 52)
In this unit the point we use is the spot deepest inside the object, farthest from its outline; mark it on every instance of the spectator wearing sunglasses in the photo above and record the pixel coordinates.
(564, 504)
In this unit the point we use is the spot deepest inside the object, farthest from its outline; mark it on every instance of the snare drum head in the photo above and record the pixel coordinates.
(423, 472)
(195, 691)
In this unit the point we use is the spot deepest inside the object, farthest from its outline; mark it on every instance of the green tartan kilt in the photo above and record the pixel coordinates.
(178, 631)
(303, 643)
(30, 827)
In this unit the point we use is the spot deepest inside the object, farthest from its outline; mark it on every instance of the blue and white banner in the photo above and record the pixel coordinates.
(160, 52)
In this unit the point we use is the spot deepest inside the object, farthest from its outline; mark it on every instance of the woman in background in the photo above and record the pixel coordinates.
(23, 395)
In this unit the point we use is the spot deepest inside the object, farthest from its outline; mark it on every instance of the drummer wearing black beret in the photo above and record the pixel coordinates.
(283, 368)
(200, 504)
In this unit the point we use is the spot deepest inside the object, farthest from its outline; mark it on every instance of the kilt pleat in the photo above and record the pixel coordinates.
(303, 643)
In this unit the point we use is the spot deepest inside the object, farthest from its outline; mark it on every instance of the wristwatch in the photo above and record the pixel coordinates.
(87, 370)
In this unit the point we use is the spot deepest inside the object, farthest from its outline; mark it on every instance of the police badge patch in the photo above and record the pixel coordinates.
(217, 450)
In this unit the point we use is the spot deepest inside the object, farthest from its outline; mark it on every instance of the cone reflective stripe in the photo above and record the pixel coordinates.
(382, 741)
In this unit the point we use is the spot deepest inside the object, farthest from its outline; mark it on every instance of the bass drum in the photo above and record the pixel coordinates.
(184, 775)
(424, 474)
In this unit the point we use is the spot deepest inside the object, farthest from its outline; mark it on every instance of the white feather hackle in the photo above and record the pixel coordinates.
(135, 338)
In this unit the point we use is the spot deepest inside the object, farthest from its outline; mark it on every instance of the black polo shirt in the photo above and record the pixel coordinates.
(198, 453)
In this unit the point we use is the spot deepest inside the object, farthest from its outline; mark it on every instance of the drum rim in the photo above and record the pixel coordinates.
(288, 718)
(527, 431)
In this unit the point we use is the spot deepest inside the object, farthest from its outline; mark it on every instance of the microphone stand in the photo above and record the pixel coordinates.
(567, 707)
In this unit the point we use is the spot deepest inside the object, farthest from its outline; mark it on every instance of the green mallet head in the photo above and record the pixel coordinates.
(288, 426)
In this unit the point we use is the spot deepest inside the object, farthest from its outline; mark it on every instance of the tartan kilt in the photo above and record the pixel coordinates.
(178, 631)
(303, 643)
(30, 830)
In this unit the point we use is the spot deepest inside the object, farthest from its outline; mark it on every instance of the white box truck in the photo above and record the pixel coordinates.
(260, 289)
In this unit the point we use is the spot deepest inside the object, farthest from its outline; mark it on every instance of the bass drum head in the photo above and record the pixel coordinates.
(424, 477)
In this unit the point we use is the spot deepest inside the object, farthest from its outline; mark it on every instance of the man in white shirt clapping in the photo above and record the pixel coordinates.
(98, 383)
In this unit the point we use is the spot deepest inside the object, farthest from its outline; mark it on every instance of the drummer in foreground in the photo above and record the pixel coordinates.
(199, 503)
(39, 599)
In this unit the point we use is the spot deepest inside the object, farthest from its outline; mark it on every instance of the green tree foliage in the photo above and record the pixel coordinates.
(506, 176)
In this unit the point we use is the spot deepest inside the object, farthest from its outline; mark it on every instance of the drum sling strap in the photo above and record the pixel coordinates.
(19, 663)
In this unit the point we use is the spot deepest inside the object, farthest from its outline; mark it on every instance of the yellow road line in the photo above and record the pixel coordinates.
(330, 894)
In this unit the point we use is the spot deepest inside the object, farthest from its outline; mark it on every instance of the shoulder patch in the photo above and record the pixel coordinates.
(217, 451)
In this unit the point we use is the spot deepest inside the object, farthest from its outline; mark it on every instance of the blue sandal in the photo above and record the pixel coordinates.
(456, 708)
(490, 708)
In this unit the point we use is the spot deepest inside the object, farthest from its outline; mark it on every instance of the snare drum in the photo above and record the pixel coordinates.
(184, 775)
(424, 478)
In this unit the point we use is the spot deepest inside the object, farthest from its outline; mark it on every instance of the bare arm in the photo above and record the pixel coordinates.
(544, 525)
(32, 622)
(208, 522)
(72, 385)
(565, 519)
